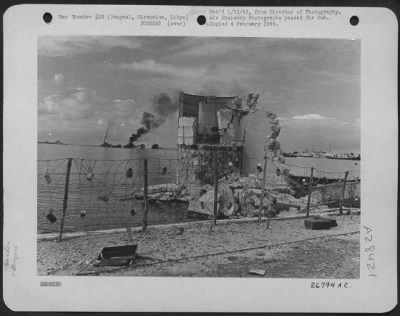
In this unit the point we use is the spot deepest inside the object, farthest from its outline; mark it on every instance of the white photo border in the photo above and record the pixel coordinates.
(377, 31)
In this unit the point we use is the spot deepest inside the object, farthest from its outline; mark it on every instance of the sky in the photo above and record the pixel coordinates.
(88, 84)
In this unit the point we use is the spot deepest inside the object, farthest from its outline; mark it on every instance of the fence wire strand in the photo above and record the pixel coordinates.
(107, 194)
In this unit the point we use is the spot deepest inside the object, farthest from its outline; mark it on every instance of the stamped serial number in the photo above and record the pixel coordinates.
(50, 283)
(370, 250)
(329, 284)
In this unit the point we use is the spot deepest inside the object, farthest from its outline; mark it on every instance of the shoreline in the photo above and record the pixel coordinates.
(52, 236)
(288, 216)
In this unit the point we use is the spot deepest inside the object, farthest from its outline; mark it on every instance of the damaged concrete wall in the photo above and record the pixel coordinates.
(257, 127)
(230, 126)
(196, 166)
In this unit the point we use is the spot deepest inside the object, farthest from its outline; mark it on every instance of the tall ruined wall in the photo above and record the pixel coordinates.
(272, 146)
(261, 133)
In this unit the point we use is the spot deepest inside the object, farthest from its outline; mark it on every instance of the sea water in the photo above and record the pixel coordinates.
(106, 199)
(110, 182)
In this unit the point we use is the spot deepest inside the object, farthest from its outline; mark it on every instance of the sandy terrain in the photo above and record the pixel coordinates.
(333, 258)
(228, 250)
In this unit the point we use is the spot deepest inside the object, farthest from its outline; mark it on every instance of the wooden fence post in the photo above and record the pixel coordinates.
(309, 192)
(215, 187)
(263, 189)
(343, 192)
(178, 171)
(129, 232)
(145, 189)
(65, 202)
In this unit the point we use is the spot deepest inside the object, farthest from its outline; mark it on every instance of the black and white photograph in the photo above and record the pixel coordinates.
(194, 156)
(200, 159)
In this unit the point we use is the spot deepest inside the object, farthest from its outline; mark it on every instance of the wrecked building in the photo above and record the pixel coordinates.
(212, 146)
(213, 173)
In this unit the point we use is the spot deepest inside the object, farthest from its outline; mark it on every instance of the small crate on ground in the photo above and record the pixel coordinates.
(118, 255)
(319, 223)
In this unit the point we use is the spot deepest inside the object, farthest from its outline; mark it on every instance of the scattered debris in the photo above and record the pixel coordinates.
(319, 223)
(331, 220)
(117, 255)
(51, 217)
(164, 193)
(257, 272)
(129, 173)
(90, 174)
(270, 213)
(103, 198)
(48, 178)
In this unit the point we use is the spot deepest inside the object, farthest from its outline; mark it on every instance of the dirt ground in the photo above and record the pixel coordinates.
(333, 258)
(285, 249)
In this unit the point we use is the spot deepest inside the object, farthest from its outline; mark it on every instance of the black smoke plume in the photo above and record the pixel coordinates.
(163, 107)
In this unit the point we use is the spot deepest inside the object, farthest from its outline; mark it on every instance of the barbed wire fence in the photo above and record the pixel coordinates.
(77, 194)
(99, 194)
(323, 187)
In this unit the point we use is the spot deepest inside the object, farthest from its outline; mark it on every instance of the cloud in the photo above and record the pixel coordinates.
(309, 121)
(320, 137)
(311, 83)
(224, 78)
(123, 105)
(346, 77)
(311, 117)
(78, 103)
(80, 107)
(153, 67)
(58, 79)
(68, 106)
(76, 45)
(192, 47)
(244, 48)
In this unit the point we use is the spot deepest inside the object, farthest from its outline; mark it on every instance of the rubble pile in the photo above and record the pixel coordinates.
(242, 197)
(236, 197)
(164, 193)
